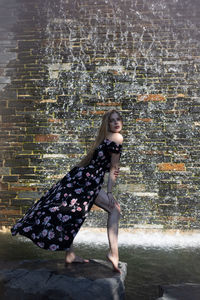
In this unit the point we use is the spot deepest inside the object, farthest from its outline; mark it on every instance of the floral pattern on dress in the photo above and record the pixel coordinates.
(54, 220)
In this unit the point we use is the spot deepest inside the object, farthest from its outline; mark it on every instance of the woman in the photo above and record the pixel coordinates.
(53, 221)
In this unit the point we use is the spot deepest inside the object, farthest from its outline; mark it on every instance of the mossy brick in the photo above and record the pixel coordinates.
(31, 178)
(194, 109)
(18, 84)
(182, 142)
(21, 104)
(10, 94)
(3, 186)
(8, 150)
(28, 97)
(3, 103)
(17, 162)
(7, 195)
(10, 178)
(4, 171)
(24, 45)
(48, 163)
(30, 118)
(16, 129)
(20, 187)
(38, 130)
(21, 203)
(10, 211)
(24, 54)
(41, 123)
(22, 170)
(13, 119)
(34, 146)
(9, 139)
(46, 138)
(25, 139)
(29, 195)
(29, 59)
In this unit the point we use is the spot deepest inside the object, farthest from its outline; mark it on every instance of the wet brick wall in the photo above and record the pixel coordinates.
(63, 64)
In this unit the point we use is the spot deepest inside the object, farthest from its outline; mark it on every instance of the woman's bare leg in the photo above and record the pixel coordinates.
(112, 227)
(71, 257)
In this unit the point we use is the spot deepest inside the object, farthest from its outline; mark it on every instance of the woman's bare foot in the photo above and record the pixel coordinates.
(72, 258)
(114, 262)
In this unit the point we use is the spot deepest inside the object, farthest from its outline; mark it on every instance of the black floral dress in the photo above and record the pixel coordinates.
(54, 220)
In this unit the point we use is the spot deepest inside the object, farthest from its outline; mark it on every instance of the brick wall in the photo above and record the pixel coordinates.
(64, 63)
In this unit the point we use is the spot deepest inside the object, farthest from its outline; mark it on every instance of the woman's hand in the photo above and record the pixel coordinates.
(116, 172)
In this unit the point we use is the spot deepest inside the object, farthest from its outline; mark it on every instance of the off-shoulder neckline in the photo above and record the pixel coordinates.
(113, 142)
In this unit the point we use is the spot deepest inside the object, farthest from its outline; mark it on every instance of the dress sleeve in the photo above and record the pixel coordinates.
(114, 148)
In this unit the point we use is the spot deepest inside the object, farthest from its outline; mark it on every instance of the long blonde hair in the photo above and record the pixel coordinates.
(102, 133)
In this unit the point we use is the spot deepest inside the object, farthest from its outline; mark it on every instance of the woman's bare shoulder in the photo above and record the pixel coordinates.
(115, 137)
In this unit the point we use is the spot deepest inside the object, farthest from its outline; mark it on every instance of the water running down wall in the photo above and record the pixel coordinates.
(64, 63)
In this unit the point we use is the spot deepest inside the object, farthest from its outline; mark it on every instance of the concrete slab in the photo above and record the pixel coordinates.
(53, 280)
(184, 291)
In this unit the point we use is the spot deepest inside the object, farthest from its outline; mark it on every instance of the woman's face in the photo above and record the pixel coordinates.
(115, 123)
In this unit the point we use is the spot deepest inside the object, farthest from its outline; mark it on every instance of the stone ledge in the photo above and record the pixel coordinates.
(184, 291)
(52, 280)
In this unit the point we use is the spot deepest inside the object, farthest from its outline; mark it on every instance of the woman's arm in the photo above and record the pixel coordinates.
(114, 169)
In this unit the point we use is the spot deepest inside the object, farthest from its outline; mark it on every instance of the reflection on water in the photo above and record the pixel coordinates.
(148, 266)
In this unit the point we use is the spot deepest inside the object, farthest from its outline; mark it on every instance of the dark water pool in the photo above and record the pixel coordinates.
(148, 266)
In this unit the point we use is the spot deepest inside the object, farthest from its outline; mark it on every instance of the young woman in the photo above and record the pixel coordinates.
(53, 221)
